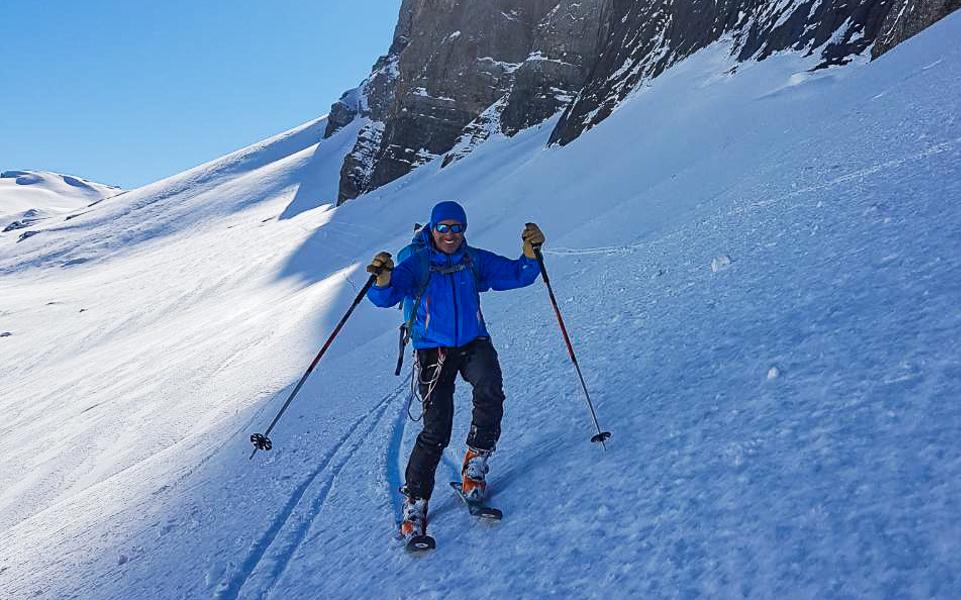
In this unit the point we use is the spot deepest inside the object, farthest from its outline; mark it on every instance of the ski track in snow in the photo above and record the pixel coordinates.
(289, 543)
(894, 164)
(395, 461)
(393, 472)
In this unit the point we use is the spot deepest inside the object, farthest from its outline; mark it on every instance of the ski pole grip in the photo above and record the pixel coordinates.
(536, 246)
(376, 271)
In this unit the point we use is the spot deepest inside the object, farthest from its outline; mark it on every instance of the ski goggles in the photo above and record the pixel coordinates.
(455, 228)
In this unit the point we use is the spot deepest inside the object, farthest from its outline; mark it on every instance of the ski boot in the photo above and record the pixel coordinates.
(474, 474)
(413, 526)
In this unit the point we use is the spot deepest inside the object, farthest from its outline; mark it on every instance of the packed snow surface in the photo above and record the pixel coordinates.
(761, 274)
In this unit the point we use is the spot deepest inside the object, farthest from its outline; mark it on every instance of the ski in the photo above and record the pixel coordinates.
(416, 543)
(420, 543)
(477, 509)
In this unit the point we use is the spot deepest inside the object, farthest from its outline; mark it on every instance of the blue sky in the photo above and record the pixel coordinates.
(126, 93)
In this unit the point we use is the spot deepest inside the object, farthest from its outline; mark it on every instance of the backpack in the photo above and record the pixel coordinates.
(417, 247)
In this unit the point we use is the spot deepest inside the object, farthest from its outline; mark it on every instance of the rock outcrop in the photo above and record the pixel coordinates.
(909, 17)
(460, 71)
(652, 35)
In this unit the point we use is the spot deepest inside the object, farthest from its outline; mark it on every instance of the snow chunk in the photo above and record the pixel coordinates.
(720, 263)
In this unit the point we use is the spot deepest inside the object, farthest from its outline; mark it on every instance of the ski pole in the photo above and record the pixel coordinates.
(602, 436)
(260, 440)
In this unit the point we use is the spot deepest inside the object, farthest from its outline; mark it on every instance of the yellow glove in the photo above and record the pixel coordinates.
(381, 266)
(533, 238)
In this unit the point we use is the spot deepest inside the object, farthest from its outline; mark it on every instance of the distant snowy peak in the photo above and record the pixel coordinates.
(56, 183)
(27, 197)
(457, 75)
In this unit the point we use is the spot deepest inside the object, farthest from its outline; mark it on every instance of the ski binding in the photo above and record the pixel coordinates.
(476, 508)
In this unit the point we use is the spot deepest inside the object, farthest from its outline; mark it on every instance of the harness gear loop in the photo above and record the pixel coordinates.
(431, 383)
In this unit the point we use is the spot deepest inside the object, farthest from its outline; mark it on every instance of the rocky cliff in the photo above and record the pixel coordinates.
(649, 36)
(907, 18)
(459, 71)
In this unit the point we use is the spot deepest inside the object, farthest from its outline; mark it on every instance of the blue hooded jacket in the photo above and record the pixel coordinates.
(449, 312)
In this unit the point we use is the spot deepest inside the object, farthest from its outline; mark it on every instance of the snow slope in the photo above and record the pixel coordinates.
(760, 271)
(30, 196)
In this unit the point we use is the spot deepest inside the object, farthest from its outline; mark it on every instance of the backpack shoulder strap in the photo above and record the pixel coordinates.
(422, 258)
(474, 266)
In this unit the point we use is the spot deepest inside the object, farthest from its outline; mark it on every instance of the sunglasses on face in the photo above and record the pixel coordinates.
(444, 228)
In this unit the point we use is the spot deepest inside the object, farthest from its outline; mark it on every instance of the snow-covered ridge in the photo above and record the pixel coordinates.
(195, 197)
(27, 197)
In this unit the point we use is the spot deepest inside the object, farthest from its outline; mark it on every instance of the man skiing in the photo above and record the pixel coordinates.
(445, 278)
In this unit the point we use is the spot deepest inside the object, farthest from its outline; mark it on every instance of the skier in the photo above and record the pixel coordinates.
(444, 278)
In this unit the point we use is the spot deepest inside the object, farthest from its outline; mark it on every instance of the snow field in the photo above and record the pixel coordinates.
(833, 200)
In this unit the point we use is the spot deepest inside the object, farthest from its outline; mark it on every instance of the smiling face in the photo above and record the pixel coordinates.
(448, 242)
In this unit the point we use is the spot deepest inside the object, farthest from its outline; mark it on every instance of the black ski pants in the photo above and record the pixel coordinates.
(477, 364)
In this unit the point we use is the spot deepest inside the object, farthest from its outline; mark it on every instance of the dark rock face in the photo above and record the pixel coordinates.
(652, 35)
(459, 71)
(907, 18)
